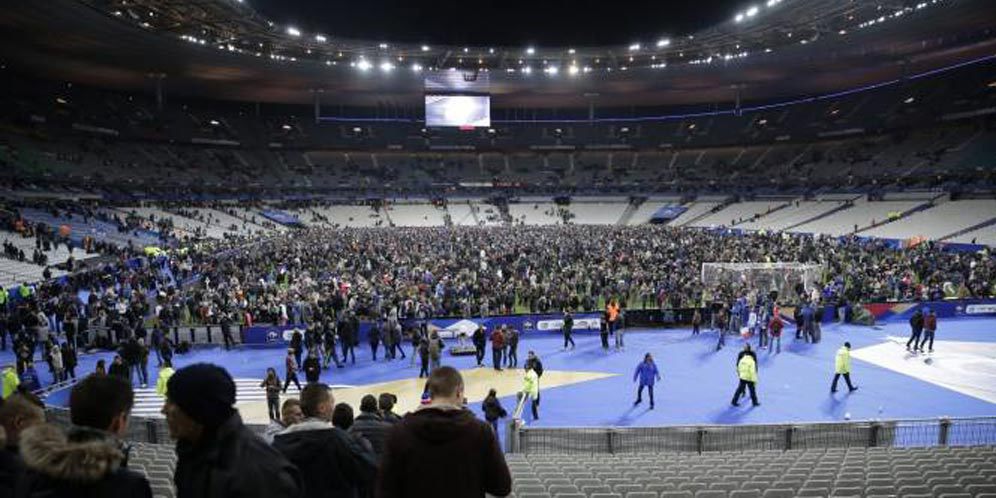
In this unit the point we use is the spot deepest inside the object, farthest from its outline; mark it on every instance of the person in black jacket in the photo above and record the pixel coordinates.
(119, 369)
(370, 425)
(373, 336)
(492, 409)
(568, 329)
(89, 460)
(312, 367)
(537, 365)
(442, 450)
(916, 328)
(332, 463)
(296, 343)
(480, 340)
(218, 456)
(69, 360)
(347, 340)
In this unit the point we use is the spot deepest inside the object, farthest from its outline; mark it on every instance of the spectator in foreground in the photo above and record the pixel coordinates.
(332, 463)
(386, 402)
(290, 414)
(441, 440)
(89, 460)
(18, 413)
(119, 368)
(370, 425)
(218, 455)
(342, 416)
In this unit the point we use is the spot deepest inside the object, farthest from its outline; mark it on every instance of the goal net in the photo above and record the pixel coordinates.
(782, 277)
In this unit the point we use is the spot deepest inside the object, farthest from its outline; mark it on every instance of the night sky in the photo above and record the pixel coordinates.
(507, 23)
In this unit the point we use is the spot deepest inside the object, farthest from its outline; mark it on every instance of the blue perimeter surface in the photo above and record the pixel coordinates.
(698, 381)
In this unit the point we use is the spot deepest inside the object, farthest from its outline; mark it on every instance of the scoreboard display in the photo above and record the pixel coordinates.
(457, 99)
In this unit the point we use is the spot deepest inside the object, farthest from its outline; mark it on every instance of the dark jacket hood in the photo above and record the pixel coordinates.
(82, 456)
(440, 424)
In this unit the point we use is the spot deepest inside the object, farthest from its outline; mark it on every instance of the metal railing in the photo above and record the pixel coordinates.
(782, 437)
(976, 431)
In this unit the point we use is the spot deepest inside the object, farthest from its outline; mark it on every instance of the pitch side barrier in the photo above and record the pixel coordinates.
(584, 323)
(727, 438)
(911, 433)
(449, 328)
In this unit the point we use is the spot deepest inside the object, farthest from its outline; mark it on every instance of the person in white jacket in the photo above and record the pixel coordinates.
(58, 367)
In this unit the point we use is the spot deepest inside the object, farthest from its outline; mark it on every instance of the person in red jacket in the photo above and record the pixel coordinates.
(497, 346)
(776, 331)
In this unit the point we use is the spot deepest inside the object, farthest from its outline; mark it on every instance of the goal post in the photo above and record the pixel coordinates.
(781, 277)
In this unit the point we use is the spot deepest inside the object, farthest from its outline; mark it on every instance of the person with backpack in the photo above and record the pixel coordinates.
(492, 409)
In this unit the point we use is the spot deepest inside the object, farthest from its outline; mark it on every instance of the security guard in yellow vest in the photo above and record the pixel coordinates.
(842, 366)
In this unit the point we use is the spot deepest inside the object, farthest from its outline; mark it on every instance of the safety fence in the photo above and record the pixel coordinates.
(721, 438)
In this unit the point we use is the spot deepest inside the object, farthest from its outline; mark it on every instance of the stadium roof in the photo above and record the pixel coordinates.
(225, 49)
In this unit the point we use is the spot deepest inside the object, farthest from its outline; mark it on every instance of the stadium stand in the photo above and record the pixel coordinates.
(416, 214)
(737, 213)
(696, 210)
(597, 213)
(938, 222)
(796, 213)
(860, 216)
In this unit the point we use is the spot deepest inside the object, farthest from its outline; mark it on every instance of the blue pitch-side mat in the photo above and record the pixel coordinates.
(698, 382)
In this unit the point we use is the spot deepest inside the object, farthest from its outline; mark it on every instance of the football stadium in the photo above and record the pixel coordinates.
(721, 249)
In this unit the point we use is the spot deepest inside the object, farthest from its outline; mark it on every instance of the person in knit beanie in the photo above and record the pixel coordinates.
(218, 456)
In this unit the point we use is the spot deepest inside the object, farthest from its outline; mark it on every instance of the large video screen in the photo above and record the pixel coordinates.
(457, 110)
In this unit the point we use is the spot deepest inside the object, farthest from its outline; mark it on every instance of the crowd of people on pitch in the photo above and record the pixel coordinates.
(313, 446)
(479, 272)
(333, 279)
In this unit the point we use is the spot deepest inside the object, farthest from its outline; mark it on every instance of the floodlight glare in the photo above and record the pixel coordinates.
(291, 30)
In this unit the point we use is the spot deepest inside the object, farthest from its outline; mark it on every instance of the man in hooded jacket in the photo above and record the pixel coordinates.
(89, 460)
(442, 450)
